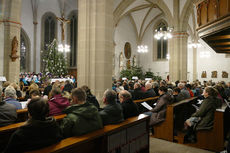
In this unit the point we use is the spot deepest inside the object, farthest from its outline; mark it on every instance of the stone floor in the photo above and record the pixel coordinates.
(162, 146)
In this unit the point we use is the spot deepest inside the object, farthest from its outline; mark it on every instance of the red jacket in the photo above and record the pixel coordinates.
(56, 104)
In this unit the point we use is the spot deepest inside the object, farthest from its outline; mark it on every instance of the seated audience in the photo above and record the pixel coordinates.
(189, 87)
(68, 86)
(17, 89)
(129, 107)
(35, 93)
(158, 113)
(137, 92)
(10, 97)
(37, 132)
(176, 92)
(155, 88)
(33, 86)
(82, 117)
(112, 113)
(90, 97)
(57, 103)
(184, 93)
(8, 114)
(48, 88)
(149, 90)
(204, 117)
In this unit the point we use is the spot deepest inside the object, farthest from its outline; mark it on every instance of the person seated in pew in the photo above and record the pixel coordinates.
(90, 97)
(149, 90)
(35, 93)
(37, 132)
(158, 113)
(10, 97)
(8, 113)
(130, 108)
(137, 93)
(184, 93)
(57, 103)
(176, 92)
(112, 113)
(189, 87)
(82, 117)
(204, 117)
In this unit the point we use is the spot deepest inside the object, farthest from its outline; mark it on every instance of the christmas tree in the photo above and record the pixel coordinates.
(54, 61)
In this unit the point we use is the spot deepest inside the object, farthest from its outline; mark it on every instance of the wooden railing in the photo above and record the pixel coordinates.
(210, 11)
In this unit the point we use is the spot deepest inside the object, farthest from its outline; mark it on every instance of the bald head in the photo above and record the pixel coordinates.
(124, 95)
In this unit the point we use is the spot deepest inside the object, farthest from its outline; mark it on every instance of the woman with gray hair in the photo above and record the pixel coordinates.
(8, 114)
(10, 97)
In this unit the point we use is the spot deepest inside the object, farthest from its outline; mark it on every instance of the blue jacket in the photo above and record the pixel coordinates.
(13, 102)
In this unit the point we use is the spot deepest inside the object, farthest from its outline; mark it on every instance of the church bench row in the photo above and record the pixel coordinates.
(165, 129)
(210, 139)
(129, 136)
(6, 131)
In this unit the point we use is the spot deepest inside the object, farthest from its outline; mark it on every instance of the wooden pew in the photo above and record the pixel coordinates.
(165, 130)
(129, 136)
(150, 101)
(210, 139)
(6, 131)
(22, 115)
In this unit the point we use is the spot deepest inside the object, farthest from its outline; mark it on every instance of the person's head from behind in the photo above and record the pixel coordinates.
(137, 85)
(55, 91)
(148, 85)
(109, 97)
(176, 91)
(162, 90)
(210, 91)
(78, 96)
(10, 92)
(124, 95)
(181, 85)
(38, 108)
(35, 93)
(86, 89)
(188, 86)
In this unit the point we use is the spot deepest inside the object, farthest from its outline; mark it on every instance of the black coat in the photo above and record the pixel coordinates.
(129, 108)
(150, 93)
(93, 100)
(33, 135)
(138, 94)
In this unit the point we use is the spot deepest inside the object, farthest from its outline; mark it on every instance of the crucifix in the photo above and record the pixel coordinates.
(63, 24)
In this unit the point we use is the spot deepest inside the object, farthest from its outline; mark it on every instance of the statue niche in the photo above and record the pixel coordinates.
(224, 74)
(14, 49)
(214, 74)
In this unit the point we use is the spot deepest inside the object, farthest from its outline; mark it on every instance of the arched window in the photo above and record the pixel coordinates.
(162, 43)
(49, 23)
(73, 26)
(24, 52)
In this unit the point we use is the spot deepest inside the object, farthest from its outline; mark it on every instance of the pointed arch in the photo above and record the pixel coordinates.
(25, 52)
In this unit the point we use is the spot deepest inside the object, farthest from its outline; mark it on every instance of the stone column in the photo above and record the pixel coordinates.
(12, 28)
(95, 45)
(35, 46)
(2, 10)
(178, 56)
(194, 64)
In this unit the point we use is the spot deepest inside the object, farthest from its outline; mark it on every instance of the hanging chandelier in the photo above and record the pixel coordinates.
(194, 45)
(142, 49)
(165, 34)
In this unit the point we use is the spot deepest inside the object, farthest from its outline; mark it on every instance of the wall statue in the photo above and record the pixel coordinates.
(14, 49)
(204, 74)
(214, 74)
(224, 74)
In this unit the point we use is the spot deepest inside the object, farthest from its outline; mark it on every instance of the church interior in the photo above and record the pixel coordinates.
(106, 46)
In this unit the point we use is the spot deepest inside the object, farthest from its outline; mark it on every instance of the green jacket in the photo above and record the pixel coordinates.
(80, 119)
(206, 113)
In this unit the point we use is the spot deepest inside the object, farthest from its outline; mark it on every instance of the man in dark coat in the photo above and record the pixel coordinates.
(112, 113)
(37, 132)
(137, 92)
(82, 117)
(68, 86)
(129, 107)
(149, 90)
(8, 114)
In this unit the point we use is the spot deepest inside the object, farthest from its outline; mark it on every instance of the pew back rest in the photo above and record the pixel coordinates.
(149, 101)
